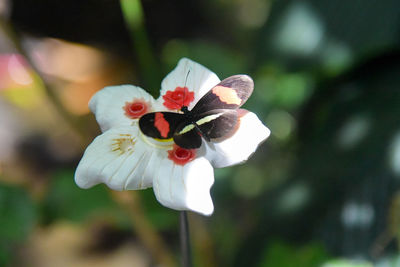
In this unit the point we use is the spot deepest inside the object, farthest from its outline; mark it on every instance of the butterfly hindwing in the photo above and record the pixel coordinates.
(187, 136)
(230, 93)
(160, 125)
(216, 124)
(211, 125)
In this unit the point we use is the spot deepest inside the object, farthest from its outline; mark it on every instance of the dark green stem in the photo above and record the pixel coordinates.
(185, 240)
(146, 62)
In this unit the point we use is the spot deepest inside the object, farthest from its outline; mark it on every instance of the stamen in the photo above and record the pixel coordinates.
(125, 144)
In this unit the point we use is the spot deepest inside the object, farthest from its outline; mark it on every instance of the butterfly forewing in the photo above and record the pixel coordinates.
(160, 125)
(230, 93)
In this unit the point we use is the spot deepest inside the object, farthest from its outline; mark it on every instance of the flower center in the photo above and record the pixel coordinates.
(178, 98)
(181, 156)
(125, 143)
(136, 108)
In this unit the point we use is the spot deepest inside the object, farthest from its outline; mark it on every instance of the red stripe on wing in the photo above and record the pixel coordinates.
(161, 124)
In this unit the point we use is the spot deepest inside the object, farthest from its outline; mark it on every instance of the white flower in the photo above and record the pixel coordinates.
(125, 159)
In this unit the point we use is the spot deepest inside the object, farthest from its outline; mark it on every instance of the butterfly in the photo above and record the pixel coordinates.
(214, 117)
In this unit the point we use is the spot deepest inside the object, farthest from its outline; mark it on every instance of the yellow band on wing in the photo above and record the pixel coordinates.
(163, 140)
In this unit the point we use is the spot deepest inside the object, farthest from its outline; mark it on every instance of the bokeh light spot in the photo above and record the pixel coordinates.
(300, 31)
(353, 131)
(357, 215)
(294, 198)
(394, 157)
(281, 123)
(248, 182)
(253, 13)
(18, 72)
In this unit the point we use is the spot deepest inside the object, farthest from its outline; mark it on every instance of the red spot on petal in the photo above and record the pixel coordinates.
(178, 98)
(181, 156)
(161, 124)
(136, 108)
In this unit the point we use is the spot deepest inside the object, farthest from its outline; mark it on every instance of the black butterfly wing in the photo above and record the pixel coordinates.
(217, 124)
(230, 93)
(187, 136)
(211, 125)
(161, 125)
(213, 117)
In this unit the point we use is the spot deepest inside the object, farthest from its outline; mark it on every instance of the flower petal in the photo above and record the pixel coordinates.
(185, 187)
(117, 158)
(241, 145)
(109, 105)
(200, 80)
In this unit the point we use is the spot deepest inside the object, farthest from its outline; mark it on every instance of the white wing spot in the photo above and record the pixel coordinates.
(186, 129)
(208, 118)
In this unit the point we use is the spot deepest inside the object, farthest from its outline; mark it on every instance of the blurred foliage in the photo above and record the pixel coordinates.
(322, 191)
(308, 255)
(18, 215)
(347, 263)
(63, 191)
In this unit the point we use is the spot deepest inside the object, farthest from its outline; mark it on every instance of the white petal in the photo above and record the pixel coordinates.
(185, 187)
(146, 168)
(108, 104)
(117, 158)
(241, 145)
(200, 80)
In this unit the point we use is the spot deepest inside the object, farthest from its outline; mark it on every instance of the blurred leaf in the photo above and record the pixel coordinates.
(284, 255)
(347, 263)
(132, 12)
(278, 88)
(25, 96)
(17, 213)
(224, 61)
(389, 261)
(227, 237)
(4, 256)
(394, 217)
(161, 217)
(18, 83)
(67, 201)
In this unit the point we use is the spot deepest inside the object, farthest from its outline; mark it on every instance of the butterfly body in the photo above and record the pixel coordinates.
(213, 117)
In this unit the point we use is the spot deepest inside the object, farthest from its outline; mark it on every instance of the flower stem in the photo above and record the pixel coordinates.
(132, 12)
(185, 240)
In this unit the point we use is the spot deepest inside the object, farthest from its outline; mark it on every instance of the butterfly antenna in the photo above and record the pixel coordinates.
(184, 94)
(172, 100)
(184, 91)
